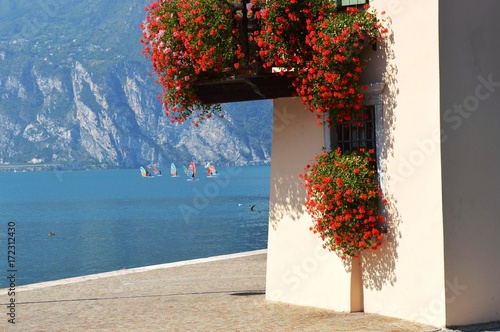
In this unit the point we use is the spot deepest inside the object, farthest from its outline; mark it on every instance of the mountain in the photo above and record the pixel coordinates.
(76, 92)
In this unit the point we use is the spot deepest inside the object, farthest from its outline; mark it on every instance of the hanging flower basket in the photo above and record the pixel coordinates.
(322, 46)
(202, 47)
(343, 199)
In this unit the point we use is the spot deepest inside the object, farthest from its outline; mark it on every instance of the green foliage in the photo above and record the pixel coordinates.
(343, 199)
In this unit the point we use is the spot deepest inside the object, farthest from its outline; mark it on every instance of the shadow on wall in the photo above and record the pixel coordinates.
(379, 265)
(289, 196)
(287, 192)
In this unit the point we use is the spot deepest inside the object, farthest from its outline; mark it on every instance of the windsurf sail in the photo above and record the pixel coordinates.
(173, 169)
(145, 173)
(184, 168)
(211, 171)
(157, 171)
(191, 170)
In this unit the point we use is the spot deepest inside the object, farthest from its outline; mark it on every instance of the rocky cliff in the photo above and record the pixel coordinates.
(75, 92)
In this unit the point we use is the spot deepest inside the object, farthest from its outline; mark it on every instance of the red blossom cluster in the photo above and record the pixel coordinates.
(343, 199)
(319, 46)
(189, 40)
(313, 42)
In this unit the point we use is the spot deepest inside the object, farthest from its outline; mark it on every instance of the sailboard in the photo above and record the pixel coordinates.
(156, 171)
(211, 171)
(173, 170)
(145, 173)
(191, 173)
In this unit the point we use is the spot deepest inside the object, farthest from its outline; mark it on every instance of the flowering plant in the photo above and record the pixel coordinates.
(317, 45)
(320, 46)
(343, 199)
(187, 40)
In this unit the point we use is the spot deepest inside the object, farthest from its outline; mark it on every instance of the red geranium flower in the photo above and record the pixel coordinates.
(345, 211)
(317, 45)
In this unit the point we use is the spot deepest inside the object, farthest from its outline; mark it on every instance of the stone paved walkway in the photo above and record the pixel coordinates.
(202, 295)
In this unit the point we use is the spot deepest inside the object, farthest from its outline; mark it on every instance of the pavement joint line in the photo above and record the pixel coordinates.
(229, 292)
(67, 281)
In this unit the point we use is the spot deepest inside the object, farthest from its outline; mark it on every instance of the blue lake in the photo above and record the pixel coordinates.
(113, 219)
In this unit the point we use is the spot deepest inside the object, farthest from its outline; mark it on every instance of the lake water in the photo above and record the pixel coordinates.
(113, 219)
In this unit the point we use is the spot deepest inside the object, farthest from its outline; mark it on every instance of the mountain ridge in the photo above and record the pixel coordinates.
(76, 92)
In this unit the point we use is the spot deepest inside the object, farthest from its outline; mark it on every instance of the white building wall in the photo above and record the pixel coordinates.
(299, 270)
(441, 156)
(405, 278)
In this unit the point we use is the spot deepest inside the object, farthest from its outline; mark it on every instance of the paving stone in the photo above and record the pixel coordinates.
(219, 295)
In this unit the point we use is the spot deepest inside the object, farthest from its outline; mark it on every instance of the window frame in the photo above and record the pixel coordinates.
(340, 6)
(351, 136)
(373, 96)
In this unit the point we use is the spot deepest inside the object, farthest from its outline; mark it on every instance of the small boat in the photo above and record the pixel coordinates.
(173, 170)
(191, 171)
(156, 171)
(145, 173)
(211, 171)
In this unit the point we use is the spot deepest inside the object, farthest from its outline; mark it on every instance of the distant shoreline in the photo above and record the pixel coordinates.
(46, 167)
(13, 168)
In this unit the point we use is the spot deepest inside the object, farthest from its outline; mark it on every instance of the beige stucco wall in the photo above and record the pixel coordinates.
(441, 158)
(299, 270)
(470, 109)
(406, 277)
